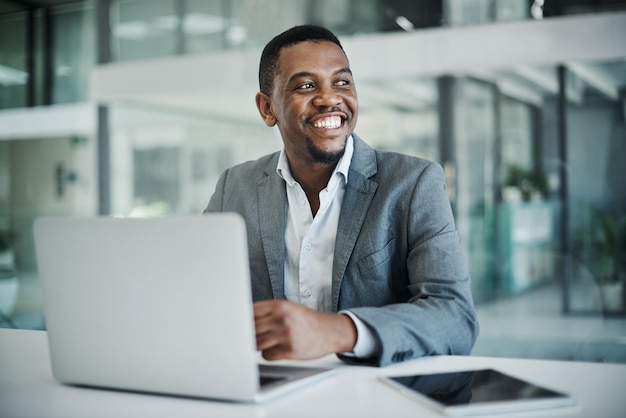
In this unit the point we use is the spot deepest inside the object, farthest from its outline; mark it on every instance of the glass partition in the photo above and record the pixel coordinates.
(400, 115)
(143, 29)
(596, 151)
(14, 72)
(167, 161)
(516, 134)
(211, 26)
(46, 55)
(73, 53)
(475, 135)
(561, 226)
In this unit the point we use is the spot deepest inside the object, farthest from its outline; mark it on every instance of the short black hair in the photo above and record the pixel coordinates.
(295, 35)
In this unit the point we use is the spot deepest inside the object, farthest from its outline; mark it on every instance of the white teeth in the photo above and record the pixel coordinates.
(331, 122)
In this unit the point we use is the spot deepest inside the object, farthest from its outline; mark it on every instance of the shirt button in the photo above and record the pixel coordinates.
(308, 293)
(307, 246)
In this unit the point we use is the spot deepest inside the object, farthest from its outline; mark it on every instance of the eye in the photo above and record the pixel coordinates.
(305, 86)
(343, 83)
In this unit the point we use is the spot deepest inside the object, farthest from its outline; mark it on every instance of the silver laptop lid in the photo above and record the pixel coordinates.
(160, 305)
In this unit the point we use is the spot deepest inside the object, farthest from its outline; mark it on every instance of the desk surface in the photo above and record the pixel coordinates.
(27, 389)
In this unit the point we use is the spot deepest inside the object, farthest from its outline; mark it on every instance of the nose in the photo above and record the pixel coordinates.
(327, 97)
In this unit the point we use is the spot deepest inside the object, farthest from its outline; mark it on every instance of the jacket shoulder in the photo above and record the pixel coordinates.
(394, 163)
(267, 163)
(372, 162)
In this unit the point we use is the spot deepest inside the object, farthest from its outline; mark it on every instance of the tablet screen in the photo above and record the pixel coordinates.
(481, 389)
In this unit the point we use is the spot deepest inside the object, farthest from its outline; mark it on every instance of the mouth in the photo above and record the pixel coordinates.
(327, 122)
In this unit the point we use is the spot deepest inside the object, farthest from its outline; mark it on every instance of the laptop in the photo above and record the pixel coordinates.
(160, 305)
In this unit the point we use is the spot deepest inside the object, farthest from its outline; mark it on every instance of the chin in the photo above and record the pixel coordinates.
(329, 155)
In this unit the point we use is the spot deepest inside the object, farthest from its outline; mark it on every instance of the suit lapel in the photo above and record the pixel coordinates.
(272, 220)
(356, 201)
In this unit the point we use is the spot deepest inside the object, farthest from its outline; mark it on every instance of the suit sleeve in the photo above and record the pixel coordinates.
(439, 316)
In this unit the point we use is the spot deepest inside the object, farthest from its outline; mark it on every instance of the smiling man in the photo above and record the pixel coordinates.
(352, 250)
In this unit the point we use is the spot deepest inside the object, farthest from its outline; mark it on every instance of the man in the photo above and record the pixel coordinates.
(352, 250)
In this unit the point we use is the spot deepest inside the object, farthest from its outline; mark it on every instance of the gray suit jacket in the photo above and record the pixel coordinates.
(398, 262)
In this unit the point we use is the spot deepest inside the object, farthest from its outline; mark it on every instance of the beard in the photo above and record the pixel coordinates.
(325, 157)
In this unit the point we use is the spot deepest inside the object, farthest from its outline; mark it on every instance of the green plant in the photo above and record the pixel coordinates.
(610, 236)
(514, 176)
(527, 181)
(601, 244)
(539, 181)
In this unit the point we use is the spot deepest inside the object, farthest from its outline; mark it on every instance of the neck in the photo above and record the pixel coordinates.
(313, 178)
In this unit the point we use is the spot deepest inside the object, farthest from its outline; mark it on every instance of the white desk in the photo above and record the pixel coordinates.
(27, 389)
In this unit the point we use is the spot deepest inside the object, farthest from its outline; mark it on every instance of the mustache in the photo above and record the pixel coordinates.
(332, 109)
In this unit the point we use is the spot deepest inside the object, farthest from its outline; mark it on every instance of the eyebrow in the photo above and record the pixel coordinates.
(301, 74)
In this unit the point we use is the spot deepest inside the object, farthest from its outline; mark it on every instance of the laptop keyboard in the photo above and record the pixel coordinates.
(265, 379)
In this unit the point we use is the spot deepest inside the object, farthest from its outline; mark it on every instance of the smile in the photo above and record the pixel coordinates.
(329, 122)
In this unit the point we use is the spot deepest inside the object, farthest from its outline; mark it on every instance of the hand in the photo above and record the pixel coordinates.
(285, 330)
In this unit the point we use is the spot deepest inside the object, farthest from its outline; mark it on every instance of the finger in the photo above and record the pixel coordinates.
(276, 353)
(266, 323)
(267, 332)
(270, 341)
(265, 337)
(266, 341)
(263, 308)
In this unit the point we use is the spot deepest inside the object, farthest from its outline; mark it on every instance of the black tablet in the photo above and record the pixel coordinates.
(476, 392)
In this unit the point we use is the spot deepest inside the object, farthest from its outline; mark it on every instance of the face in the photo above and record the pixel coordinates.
(313, 103)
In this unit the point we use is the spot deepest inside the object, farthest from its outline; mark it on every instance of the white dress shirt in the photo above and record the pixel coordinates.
(310, 244)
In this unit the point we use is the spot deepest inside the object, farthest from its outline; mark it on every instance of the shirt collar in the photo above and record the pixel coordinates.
(342, 168)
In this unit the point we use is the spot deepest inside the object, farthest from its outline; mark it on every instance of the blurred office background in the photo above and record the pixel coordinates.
(134, 107)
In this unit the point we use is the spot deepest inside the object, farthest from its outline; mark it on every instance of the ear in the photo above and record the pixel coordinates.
(263, 103)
